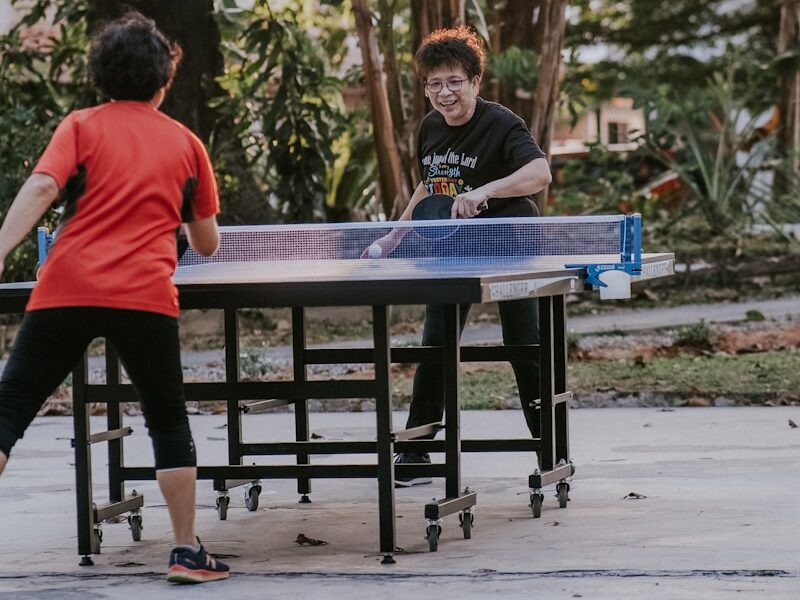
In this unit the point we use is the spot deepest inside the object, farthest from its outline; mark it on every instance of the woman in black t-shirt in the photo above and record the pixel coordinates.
(478, 152)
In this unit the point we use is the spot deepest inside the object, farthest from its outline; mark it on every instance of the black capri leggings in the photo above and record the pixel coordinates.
(49, 344)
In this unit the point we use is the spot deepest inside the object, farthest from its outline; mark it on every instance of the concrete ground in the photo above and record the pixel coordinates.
(718, 517)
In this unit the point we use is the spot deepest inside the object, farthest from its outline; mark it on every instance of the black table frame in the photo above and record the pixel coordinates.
(552, 443)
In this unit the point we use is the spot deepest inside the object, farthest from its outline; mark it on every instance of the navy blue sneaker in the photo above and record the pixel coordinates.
(188, 566)
(401, 458)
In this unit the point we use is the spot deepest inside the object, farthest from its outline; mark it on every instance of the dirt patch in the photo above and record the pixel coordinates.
(736, 342)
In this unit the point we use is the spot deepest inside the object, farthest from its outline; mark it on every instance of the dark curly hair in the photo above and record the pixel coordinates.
(130, 59)
(456, 47)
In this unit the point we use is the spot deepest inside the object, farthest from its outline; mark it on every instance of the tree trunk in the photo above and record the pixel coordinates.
(404, 133)
(429, 15)
(549, 39)
(394, 194)
(788, 141)
(514, 26)
(191, 24)
(386, 44)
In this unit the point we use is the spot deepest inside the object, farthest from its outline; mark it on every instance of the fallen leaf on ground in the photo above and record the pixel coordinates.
(634, 496)
(302, 539)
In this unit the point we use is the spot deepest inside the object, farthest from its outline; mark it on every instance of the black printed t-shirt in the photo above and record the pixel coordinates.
(491, 145)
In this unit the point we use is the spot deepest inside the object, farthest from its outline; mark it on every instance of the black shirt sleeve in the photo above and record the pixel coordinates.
(520, 148)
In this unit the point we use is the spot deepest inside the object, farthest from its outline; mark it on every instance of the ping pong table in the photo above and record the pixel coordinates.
(436, 262)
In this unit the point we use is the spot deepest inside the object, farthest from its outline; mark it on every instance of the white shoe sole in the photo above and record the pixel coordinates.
(411, 482)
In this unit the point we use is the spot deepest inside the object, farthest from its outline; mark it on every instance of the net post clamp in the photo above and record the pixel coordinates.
(43, 241)
(594, 271)
(630, 257)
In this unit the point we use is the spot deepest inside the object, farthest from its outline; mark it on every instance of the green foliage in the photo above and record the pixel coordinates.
(693, 241)
(515, 67)
(352, 181)
(641, 25)
(284, 108)
(754, 315)
(43, 78)
(585, 86)
(695, 336)
(254, 366)
(314, 161)
(604, 182)
(678, 43)
(782, 203)
(710, 140)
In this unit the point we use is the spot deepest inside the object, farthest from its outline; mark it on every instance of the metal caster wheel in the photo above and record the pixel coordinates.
(135, 524)
(465, 521)
(222, 507)
(251, 497)
(562, 493)
(432, 533)
(536, 505)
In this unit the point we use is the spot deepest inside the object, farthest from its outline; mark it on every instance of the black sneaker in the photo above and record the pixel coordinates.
(188, 566)
(401, 458)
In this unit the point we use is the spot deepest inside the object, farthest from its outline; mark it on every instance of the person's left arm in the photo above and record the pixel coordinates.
(201, 226)
(35, 196)
(525, 181)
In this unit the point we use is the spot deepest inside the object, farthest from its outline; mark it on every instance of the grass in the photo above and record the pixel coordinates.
(697, 335)
(755, 377)
(492, 388)
(744, 378)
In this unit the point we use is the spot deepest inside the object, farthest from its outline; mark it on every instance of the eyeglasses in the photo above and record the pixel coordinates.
(453, 85)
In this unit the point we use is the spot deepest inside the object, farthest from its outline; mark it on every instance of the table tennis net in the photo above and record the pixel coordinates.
(467, 239)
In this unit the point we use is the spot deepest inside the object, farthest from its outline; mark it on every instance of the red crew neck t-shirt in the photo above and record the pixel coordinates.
(129, 175)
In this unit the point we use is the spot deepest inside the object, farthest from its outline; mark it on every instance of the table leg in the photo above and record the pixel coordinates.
(546, 382)
(88, 534)
(383, 412)
(560, 378)
(116, 459)
(452, 410)
(301, 425)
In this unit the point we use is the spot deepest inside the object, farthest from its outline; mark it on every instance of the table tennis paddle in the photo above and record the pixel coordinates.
(436, 207)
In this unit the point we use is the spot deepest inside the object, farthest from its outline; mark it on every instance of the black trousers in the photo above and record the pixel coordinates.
(49, 344)
(520, 324)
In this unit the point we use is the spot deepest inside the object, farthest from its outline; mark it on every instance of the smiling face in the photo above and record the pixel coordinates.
(456, 106)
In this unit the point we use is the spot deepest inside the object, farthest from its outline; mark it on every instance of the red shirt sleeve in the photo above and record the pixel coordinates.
(60, 158)
(206, 199)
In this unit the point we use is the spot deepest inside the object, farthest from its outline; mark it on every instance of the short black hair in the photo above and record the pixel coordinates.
(456, 47)
(130, 59)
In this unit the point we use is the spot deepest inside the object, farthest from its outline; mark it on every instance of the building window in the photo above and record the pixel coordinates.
(617, 133)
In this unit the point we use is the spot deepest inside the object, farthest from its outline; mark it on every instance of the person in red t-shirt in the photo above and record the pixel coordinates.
(128, 177)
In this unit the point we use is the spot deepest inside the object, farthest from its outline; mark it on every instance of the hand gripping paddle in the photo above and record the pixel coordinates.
(436, 207)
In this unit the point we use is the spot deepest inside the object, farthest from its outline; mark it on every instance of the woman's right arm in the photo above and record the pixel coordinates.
(35, 196)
